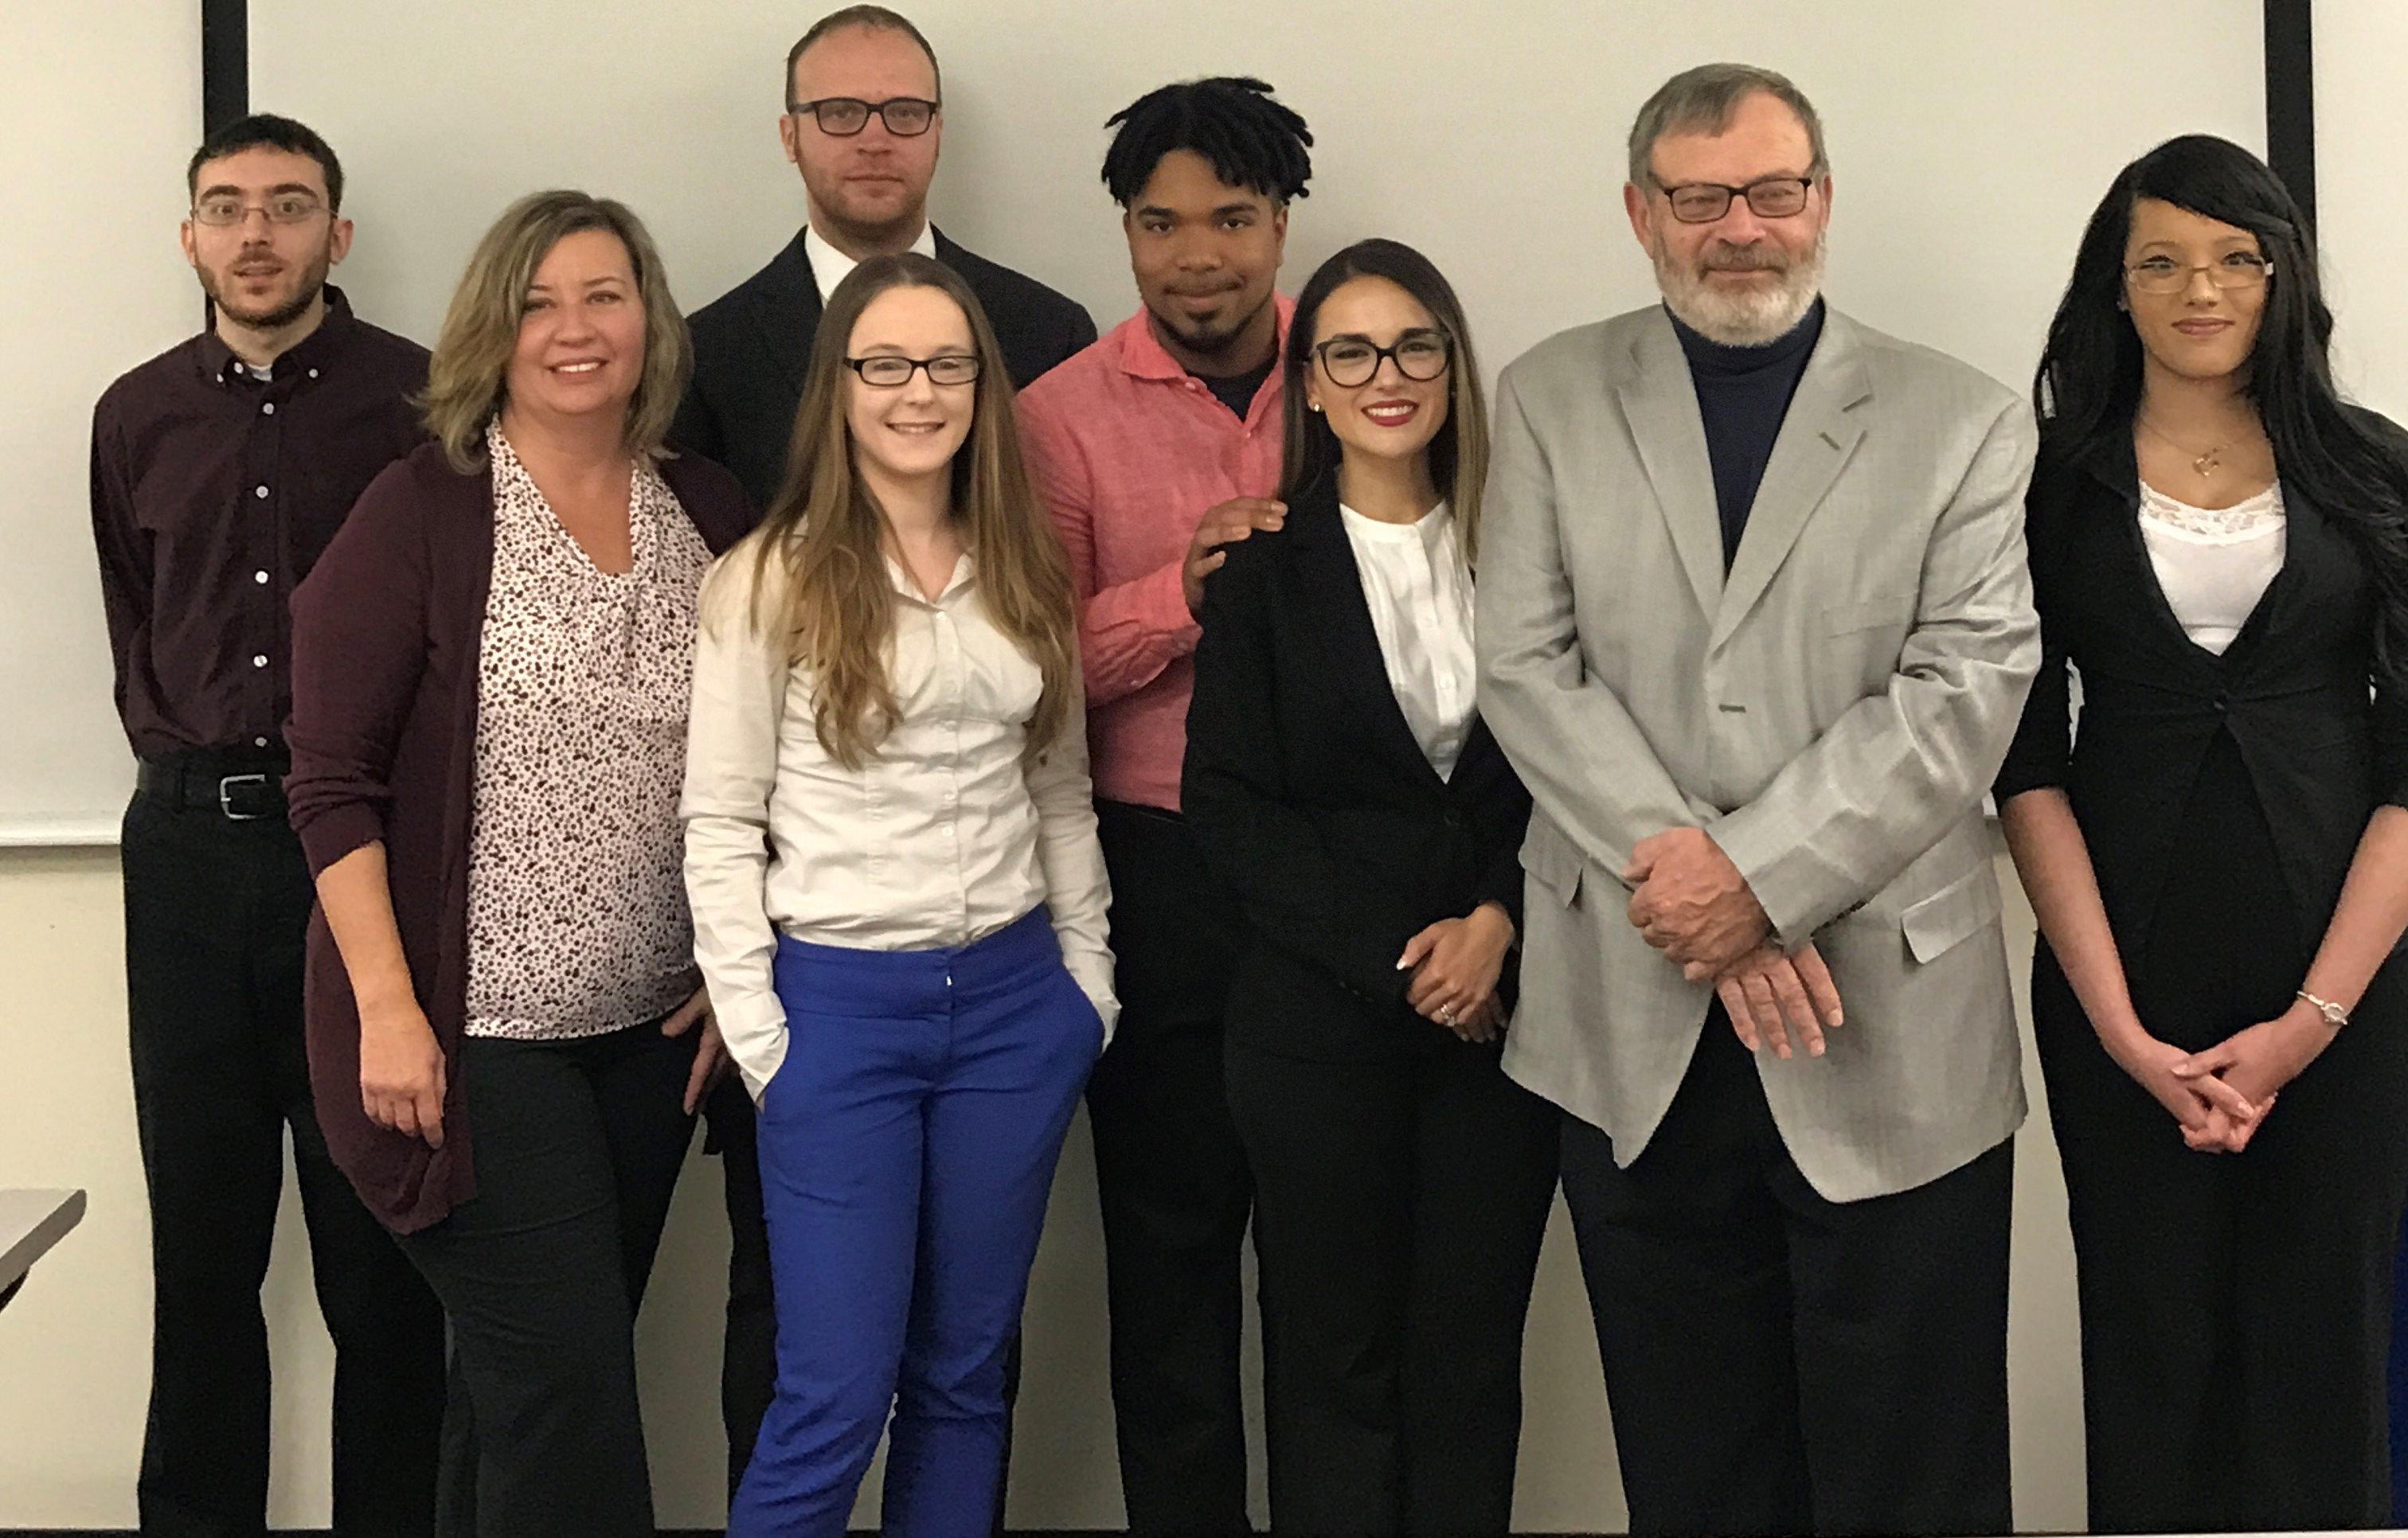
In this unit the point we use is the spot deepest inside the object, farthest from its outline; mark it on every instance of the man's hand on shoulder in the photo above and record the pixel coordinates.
(1689, 901)
(1224, 523)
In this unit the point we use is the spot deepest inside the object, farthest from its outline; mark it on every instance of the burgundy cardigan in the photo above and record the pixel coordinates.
(383, 734)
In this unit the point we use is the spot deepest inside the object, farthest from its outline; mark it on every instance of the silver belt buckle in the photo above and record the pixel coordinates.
(225, 797)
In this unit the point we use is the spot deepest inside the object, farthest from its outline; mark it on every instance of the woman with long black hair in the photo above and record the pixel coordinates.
(2219, 859)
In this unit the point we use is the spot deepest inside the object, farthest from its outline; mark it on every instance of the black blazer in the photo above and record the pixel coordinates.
(2323, 745)
(753, 344)
(1310, 797)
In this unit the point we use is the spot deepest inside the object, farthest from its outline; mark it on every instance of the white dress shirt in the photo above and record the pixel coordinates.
(943, 837)
(2213, 564)
(830, 267)
(1419, 591)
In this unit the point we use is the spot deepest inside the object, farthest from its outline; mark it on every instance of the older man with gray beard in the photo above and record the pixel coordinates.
(1755, 628)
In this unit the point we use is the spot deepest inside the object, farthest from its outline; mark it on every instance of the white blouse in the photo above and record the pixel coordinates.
(2213, 564)
(576, 918)
(1419, 591)
(943, 837)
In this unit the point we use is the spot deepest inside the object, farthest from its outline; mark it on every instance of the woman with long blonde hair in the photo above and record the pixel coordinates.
(898, 900)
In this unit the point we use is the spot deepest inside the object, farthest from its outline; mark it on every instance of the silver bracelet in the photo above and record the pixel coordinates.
(2335, 1015)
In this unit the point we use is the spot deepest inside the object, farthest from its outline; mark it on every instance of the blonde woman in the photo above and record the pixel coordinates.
(491, 670)
(898, 900)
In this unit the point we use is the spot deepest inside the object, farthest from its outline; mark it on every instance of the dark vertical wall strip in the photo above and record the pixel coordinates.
(2291, 98)
(226, 61)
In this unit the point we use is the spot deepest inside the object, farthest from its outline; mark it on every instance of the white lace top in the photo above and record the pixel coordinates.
(576, 911)
(2214, 563)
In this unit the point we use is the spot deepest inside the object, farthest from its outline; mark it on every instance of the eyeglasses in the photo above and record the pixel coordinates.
(2164, 274)
(906, 116)
(889, 372)
(1768, 197)
(1351, 361)
(283, 209)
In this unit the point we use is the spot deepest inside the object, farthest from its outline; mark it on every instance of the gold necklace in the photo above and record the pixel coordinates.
(2206, 465)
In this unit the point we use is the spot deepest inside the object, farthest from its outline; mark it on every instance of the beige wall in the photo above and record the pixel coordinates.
(72, 1348)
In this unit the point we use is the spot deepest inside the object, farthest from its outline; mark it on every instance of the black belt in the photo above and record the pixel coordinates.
(238, 790)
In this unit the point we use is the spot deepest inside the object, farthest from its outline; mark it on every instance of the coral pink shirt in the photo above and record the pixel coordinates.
(1130, 451)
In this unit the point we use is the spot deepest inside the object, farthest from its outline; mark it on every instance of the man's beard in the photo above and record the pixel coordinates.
(275, 317)
(1210, 339)
(1751, 316)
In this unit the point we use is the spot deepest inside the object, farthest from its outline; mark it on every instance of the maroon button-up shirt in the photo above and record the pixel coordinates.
(212, 493)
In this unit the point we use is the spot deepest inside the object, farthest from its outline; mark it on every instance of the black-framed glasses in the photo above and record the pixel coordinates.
(224, 211)
(906, 116)
(886, 371)
(1768, 197)
(1351, 361)
(2164, 274)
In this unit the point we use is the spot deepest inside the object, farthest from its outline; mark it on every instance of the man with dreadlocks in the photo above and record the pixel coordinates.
(1154, 449)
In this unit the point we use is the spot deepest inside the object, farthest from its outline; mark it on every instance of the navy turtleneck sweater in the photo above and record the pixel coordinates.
(1743, 393)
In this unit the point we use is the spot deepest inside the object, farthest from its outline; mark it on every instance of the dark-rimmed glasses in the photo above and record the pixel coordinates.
(1768, 197)
(2164, 274)
(1351, 361)
(906, 116)
(887, 371)
(223, 212)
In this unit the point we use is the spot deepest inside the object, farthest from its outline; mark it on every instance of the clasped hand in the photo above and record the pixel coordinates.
(1455, 963)
(2221, 1096)
(1690, 902)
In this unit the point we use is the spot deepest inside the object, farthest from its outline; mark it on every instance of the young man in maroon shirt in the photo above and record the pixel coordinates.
(220, 470)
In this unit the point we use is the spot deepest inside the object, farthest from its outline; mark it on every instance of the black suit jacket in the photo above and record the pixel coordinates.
(2322, 744)
(753, 344)
(1309, 796)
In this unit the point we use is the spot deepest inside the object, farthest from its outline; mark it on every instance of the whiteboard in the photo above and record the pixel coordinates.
(96, 285)
(2362, 219)
(1968, 143)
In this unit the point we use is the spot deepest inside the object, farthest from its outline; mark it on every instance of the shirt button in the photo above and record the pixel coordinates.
(259, 661)
(259, 742)
(313, 373)
(260, 490)
(268, 409)
(260, 577)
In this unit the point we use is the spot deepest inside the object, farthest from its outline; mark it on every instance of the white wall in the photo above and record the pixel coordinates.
(2362, 211)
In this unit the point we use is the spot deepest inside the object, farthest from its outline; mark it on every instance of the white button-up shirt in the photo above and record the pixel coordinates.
(1419, 592)
(943, 837)
(830, 267)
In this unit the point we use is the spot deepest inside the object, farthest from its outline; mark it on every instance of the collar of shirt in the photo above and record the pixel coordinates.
(830, 267)
(964, 569)
(305, 357)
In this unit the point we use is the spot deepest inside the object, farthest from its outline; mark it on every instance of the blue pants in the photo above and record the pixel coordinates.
(908, 1144)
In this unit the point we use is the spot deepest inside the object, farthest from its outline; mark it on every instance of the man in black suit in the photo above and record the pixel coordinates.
(863, 119)
(864, 116)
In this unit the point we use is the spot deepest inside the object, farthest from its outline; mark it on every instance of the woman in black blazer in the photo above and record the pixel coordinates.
(2220, 860)
(1339, 781)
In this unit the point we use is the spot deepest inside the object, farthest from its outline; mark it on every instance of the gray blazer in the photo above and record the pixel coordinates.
(1832, 712)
